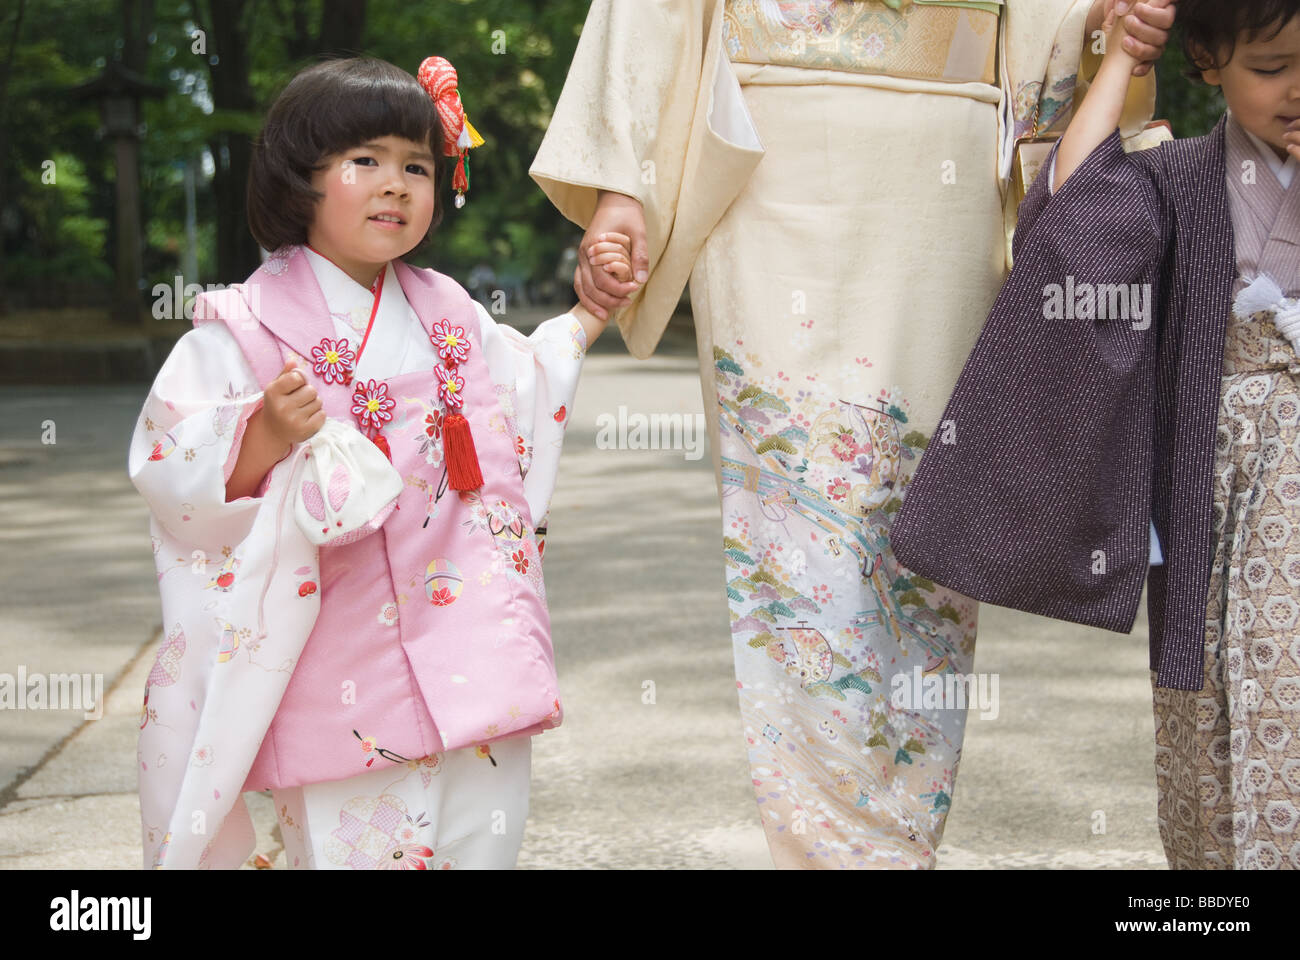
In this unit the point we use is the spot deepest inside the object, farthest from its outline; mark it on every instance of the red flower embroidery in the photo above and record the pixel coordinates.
(334, 360)
(433, 425)
(520, 447)
(845, 447)
(451, 386)
(560, 414)
(521, 562)
(405, 856)
(452, 344)
(372, 405)
(442, 597)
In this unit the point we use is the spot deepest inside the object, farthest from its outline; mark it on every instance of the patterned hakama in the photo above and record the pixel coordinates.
(1228, 756)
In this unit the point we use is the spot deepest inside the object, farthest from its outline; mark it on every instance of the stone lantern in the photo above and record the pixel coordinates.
(119, 92)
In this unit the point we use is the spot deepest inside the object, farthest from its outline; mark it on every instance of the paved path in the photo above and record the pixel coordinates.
(635, 587)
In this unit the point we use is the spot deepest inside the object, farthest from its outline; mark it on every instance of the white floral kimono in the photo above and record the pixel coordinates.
(240, 581)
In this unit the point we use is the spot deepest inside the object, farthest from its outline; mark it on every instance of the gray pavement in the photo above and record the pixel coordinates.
(635, 586)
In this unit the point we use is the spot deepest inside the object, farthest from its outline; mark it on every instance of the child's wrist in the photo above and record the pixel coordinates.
(1115, 47)
(269, 439)
(1117, 58)
(592, 325)
(1116, 70)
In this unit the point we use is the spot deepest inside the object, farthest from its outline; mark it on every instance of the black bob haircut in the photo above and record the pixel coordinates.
(1211, 27)
(328, 108)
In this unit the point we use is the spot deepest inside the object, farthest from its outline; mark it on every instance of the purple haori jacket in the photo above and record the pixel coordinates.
(1064, 437)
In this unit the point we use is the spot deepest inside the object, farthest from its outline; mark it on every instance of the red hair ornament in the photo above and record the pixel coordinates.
(438, 77)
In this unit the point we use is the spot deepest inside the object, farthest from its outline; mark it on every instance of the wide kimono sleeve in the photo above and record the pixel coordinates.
(188, 437)
(1035, 488)
(651, 109)
(536, 378)
(200, 708)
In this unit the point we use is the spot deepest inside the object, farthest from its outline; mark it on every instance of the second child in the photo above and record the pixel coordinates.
(1141, 366)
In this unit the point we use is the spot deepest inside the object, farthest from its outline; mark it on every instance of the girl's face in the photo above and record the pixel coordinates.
(390, 175)
(1261, 84)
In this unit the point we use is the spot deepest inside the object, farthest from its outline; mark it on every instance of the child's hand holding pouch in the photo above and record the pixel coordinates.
(346, 487)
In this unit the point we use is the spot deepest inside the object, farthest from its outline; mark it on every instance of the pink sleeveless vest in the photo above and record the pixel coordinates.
(433, 632)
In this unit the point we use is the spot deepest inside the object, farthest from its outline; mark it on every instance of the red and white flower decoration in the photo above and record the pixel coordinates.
(452, 344)
(405, 856)
(442, 597)
(372, 405)
(451, 387)
(433, 425)
(334, 360)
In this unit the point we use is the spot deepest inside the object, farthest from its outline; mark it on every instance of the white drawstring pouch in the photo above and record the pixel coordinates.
(1263, 295)
(346, 488)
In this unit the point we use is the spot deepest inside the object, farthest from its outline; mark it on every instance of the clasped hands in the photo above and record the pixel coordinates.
(612, 259)
(1142, 28)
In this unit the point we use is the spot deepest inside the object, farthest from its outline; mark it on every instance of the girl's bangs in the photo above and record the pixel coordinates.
(370, 108)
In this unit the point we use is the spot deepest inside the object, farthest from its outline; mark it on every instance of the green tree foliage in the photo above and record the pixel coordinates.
(512, 57)
(1191, 106)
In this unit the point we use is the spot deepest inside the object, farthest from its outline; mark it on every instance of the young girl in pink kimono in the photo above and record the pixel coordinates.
(349, 464)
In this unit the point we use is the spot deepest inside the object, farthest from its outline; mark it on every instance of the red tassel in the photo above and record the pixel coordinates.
(459, 181)
(462, 459)
(379, 441)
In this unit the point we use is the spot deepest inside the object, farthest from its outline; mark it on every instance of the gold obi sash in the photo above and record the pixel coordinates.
(921, 39)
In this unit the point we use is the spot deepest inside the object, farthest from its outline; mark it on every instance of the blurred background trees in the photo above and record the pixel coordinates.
(219, 64)
(222, 62)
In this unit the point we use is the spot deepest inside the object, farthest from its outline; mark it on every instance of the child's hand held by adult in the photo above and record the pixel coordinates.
(1140, 30)
(612, 252)
(1131, 31)
(602, 291)
(1120, 42)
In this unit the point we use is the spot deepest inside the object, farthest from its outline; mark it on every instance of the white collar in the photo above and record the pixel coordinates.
(336, 283)
(392, 330)
(1284, 171)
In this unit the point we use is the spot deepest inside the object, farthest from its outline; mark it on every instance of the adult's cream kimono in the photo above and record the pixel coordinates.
(833, 179)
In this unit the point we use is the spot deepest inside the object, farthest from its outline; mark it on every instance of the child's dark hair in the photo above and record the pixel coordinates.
(326, 109)
(1211, 26)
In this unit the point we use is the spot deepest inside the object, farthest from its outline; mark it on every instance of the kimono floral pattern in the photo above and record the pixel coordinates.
(372, 406)
(450, 341)
(517, 548)
(451, 387)
(416, 816)
(1228, 755)
(429, 418)
(824, 621)
(892, 37)
(377, 833)
(333, 360)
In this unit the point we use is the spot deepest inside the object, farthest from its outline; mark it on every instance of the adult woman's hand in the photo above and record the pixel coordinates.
(598, 290)
(1147, 24)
